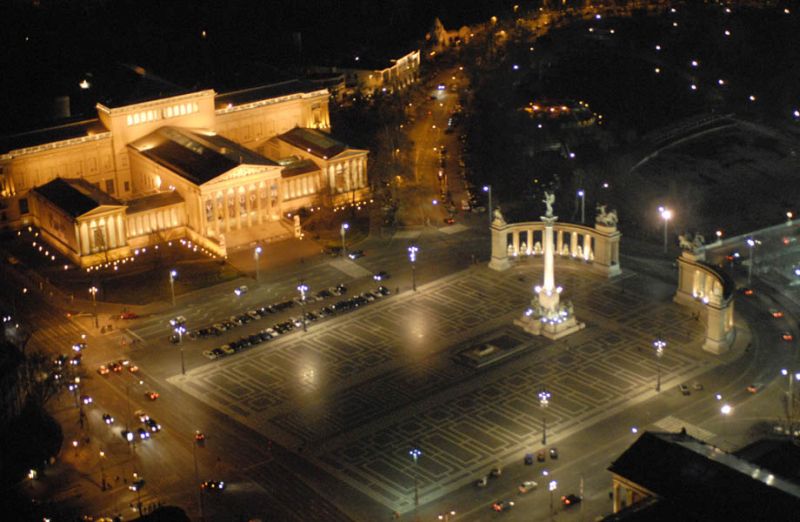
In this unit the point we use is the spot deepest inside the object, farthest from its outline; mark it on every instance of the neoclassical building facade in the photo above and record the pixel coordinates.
(218, 169)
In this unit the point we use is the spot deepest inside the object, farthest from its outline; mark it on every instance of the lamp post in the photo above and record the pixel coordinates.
(303, 288)
(180, 329)
(751, 243)
(197, 478)
(93, 291)
(488, 189)
(102, 471)
(172, 275)
(544, 400)
(582, 195)
(666, 215)
(415, 454)
(790, 395)
(343, 231)
(659, 344)
(725, 410)
(412, 256)
(257, 255)
(552, 487)
(789, 218)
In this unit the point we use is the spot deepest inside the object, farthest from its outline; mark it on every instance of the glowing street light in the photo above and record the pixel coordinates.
(789, 217)
(257, 255)
(659, 344)
(180, 329)
(172, 275)
(582, 195)
(303, 288)
(412, 256)
(552, 486)
(343, 231)
(488, 189)
(93, 291)
(666, 215)
(544, 401)
(415, 453)
(751, 243)
(726, 409)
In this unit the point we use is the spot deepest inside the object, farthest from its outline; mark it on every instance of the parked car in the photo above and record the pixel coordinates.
(684, 389)
(152, 395)
(527, 486)
(570, 500)
(482, 482)
(381, 276)
(553, 453)
(540, 455)
(496, 472)
(128, 315)
(528, 459)
(355, 254)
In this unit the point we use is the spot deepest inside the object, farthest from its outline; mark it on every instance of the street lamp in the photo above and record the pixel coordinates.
(751, 243)
(412, 256)
(172, 275)
(725, 410)
(666, 215)
(789, 218)
(544, 400)
(582, 195)
(790, 394)
(257, 255)
(180, 329)
(195, 443)
(303, 288)
(659, 345)
(488, 189)
(343, 232)
(102, 471)
(415, 454)
(93, 291)
(552, 487)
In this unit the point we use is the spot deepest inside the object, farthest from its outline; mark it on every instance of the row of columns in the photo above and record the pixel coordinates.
(300, 186)
(153, 221)
(251, 205)
(351, 173)
(101, 234)
(586, 245)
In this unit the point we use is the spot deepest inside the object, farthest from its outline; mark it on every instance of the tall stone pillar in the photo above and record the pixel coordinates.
(499, 259)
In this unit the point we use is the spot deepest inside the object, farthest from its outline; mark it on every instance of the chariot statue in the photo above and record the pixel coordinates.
(499, 220)
(608, 219)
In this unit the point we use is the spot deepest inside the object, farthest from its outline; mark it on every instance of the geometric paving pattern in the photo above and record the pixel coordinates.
(354, 394)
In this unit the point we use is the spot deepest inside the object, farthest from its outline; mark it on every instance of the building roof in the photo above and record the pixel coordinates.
(67, 131)
(781, 456)
(263, 92)
(125, 84)
(314, 142)
(706, 482)
(370, 58)
(75, 196)
(149, 202)
(197, 155)
(297, 167)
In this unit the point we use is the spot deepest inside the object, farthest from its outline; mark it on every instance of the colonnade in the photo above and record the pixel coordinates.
(347, 175)
(156, 220)
(101, 234)
(241, 207)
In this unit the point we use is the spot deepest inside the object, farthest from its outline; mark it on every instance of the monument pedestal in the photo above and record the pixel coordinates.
(552, 329)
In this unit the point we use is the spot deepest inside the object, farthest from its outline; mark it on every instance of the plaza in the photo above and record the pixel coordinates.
(355, 395)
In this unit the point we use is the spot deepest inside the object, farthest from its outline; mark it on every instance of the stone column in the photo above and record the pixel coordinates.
(259, 209)
(573, 244)
(515, 241)
(549, 277)
(587, 246)
(499, 259)
(559, 241)
(227, 210)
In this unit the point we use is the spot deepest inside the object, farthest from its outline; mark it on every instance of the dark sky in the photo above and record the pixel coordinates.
(45, 50)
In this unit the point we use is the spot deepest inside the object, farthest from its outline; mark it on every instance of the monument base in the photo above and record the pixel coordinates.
(535, 326)
(718, 346)
(499, 263)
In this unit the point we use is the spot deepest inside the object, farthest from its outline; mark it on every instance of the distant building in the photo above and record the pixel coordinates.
(161, 162)
(441, 39)
(674, 476)
(367, 74)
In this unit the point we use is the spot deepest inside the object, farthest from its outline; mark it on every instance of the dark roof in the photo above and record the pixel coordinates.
(67, 131)
(369, 58)
(263, 92)
(75, 196)
(125, 84)
(295, 168)
(196, 155)
(706, 482)
(313, 141)
(161, 199)
(781, 456)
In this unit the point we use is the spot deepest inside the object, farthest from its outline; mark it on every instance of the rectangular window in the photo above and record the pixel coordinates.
(23, 206)
(127, 186)
(109, 186)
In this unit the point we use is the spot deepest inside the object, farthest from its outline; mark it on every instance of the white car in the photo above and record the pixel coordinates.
(240, 290)
(527, 486)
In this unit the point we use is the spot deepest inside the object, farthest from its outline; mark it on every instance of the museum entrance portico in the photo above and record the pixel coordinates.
(239, 201)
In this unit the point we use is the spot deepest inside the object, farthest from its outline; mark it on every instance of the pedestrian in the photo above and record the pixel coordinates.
(397, 290)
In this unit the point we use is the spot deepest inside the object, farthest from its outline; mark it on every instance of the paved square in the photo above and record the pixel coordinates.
(356, 393)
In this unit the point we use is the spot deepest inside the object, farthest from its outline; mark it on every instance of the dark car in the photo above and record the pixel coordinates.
(570, 500)
(322, 294)
(381, 276)
(383, 290)
(355, 254)
(503, 505)
(152, 425)
(529, 459)
(553, 453)
(213, 485)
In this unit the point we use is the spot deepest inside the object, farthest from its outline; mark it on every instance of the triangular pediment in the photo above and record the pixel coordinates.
(102, 210)
(246, 173)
